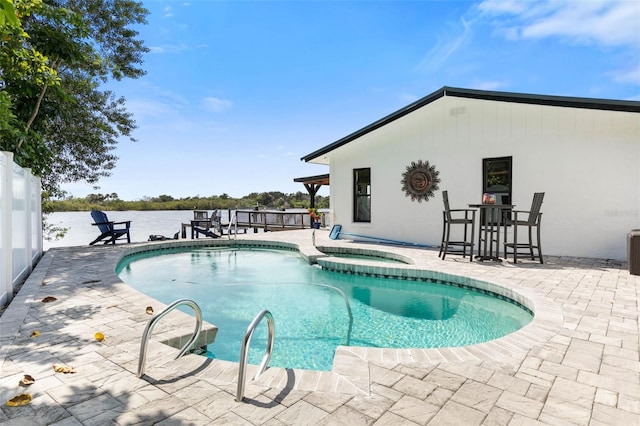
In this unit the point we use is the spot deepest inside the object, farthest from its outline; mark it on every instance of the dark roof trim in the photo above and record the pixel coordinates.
(375, 125)
(561, 101)
(523, 98)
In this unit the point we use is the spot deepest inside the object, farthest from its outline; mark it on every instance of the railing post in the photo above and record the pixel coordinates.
(28, 228)
(36, 214)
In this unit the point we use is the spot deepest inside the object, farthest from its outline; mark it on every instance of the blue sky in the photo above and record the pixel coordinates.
(237, 91)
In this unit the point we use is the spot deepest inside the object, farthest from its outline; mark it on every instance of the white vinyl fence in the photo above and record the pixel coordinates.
(20, 224)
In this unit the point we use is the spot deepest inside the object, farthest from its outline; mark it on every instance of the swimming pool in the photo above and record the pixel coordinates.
(232, 285)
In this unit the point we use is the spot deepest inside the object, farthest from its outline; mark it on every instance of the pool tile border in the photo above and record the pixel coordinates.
(350, 367)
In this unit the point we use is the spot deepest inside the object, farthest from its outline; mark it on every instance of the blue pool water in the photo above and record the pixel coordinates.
(311, 320)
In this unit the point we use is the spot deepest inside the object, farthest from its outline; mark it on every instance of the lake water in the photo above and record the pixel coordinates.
(143, 224)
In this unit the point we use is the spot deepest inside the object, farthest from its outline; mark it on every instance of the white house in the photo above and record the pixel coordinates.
(583, 153)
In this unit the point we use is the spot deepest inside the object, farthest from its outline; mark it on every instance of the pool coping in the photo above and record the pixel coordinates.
(350, 373)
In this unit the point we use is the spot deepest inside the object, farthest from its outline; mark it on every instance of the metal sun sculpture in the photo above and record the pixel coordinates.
(420, 181)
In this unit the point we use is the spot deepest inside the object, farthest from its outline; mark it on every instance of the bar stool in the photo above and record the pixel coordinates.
(533, 219)
(469, 220)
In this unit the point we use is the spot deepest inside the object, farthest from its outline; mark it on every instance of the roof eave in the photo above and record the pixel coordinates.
(561, 101)
(376, 124)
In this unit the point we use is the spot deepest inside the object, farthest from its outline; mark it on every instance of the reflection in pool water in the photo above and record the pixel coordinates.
(421, 307)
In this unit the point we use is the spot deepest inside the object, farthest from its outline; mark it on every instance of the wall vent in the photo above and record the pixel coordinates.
(457, 111)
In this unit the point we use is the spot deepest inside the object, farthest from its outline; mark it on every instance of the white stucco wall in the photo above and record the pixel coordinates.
(585, 160)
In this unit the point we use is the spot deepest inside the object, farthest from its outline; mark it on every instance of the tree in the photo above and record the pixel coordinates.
(64, 126)
(8, 14)
(163, 198)
(17, 61)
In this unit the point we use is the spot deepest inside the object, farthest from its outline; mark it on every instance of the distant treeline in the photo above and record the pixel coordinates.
(264, 200)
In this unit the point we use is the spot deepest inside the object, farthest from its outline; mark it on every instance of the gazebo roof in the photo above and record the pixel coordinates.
(314, 180)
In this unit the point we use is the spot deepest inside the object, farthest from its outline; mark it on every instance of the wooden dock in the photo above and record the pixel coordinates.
(265, 220)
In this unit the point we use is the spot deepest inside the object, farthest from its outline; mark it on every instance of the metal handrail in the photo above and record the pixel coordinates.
(346, 301)
(233, 222)
(146, 335)
(244, 350)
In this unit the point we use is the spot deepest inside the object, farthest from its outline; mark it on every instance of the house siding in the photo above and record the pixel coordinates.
(585, 160)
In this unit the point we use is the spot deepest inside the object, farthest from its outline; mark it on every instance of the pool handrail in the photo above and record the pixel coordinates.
(346, 301)
(233, 222)
(146, 335)
(244, 350)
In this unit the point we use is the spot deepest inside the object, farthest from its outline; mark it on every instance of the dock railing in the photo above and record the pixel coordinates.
(272, 220)
(266, 220)
(20, 224)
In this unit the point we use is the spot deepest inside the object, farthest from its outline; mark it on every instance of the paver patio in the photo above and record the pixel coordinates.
(576, 364)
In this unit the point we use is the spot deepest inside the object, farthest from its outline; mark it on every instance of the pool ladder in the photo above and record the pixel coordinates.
(146, 335)
(244, 351)
(246, 341)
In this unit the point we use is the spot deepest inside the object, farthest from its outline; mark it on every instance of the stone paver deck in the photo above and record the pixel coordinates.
(577, 363)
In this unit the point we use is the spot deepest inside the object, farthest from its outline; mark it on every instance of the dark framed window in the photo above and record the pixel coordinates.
(496, 178)
(496, 181)
(362, 195)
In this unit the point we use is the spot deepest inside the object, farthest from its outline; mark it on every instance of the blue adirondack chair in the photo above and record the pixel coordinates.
(109, 231)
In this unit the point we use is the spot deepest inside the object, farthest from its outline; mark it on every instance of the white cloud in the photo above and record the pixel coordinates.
(444, 48)
(216, 104)
(490, 85)
(161, 94)
(605, 22)
(142, 108)
(168, 48)
(503, 6)
(408, 98)
(628, 76)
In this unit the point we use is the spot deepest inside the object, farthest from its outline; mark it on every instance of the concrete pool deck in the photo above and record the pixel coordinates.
(576, 364)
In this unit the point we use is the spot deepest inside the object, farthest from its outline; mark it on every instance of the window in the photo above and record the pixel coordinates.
(496, 181)
(496, 178)
(362, 195)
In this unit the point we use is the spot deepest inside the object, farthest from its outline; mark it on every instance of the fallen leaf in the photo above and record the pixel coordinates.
(27, 380)
(149, 310)
(18, 400)
(49, 299)
(99, 336)
(59, 368)
(35, 333)
(112, 306)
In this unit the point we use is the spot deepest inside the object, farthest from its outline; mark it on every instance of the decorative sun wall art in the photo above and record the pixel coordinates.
(420, 181)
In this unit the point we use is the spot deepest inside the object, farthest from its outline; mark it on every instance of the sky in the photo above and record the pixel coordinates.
(236, 92)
